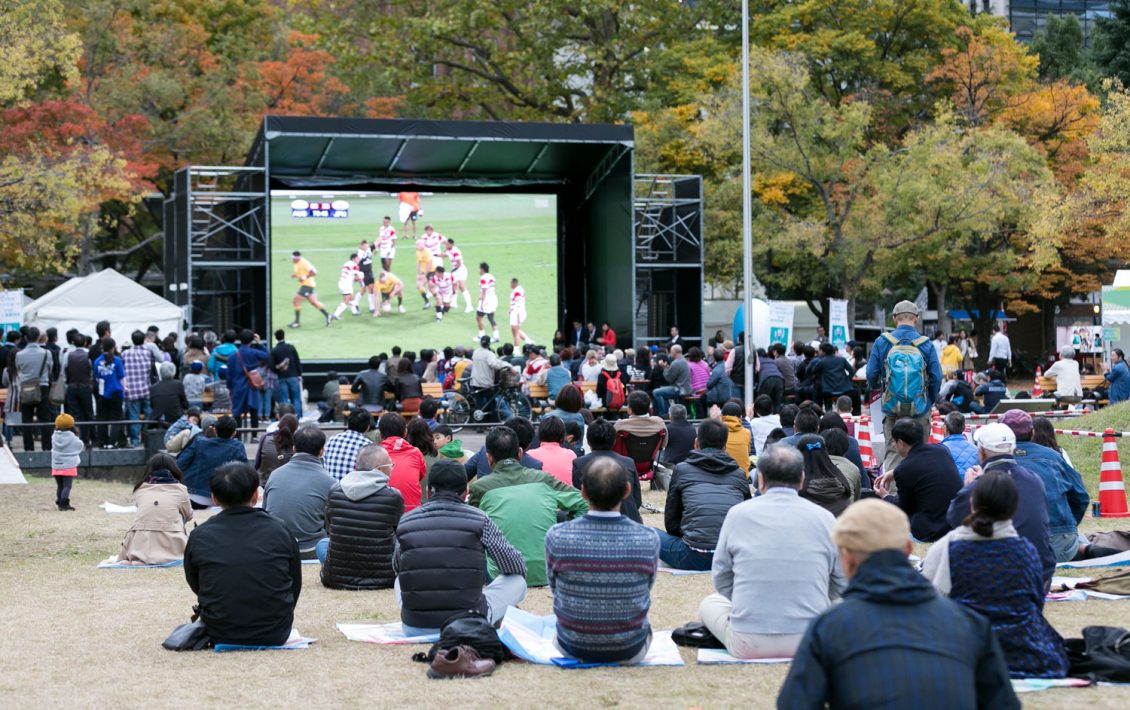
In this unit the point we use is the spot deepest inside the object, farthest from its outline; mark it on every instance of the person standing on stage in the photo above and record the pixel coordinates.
(305, 272)
(488, 301)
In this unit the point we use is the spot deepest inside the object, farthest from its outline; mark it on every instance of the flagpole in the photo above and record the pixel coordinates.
(747, 213)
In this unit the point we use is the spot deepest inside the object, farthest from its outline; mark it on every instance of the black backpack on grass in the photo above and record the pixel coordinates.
(467, 628)
(1103, 654)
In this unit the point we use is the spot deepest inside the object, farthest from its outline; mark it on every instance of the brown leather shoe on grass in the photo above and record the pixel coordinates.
(460, 662)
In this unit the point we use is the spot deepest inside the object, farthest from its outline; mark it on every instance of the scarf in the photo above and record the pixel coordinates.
(936, 568)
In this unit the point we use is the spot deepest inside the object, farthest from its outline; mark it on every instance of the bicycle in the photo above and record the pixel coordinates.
(484, 403)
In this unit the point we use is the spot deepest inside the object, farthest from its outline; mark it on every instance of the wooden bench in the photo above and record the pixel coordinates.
(539, 398)
(1087, 382)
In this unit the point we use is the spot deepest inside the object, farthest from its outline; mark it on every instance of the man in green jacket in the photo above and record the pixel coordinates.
(522, 502)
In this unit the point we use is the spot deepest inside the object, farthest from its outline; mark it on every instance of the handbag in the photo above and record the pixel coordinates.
(253, 377)
(58, 392)
(29, 390)
(188, 637)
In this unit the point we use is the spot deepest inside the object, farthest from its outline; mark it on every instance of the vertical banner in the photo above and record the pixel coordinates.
(838, 323)
(781, 323)
(11, 310)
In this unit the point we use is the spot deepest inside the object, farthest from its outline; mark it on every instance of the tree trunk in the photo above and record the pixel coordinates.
(84, 264)
(944, 323)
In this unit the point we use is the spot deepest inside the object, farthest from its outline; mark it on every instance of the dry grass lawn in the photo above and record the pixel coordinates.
(75, 636)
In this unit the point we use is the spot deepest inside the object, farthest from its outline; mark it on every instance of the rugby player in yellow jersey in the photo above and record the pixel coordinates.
(304, 271)
(390, 286)
(425, 267)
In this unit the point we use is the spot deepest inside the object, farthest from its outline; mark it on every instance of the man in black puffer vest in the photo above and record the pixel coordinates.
(440, 558)
(361, 516)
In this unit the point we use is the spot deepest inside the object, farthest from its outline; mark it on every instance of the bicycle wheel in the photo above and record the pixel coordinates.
(458, 410)
(519, 403)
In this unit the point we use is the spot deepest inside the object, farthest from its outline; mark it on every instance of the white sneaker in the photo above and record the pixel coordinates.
(403, 309)
(468, 309)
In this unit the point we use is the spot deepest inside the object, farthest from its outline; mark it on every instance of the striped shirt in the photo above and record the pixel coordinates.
(601, 570)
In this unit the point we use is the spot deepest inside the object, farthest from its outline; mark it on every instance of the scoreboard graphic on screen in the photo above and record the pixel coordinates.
(337, 209)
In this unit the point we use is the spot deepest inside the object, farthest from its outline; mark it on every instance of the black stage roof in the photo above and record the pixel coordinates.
(310, 152)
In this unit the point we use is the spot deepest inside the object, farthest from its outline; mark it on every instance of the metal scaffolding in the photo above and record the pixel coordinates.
(668, 256)
(217, 246)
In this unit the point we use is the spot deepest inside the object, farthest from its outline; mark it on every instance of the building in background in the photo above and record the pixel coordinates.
(1027, 17)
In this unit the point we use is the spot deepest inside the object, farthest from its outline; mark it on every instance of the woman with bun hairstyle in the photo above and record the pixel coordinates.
(985, 566)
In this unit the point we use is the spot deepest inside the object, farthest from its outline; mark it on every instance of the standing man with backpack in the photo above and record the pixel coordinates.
(904, 366)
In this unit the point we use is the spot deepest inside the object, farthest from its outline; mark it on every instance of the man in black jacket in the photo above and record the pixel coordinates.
(702, 490)
(601, 437)
(926, 481)
(288, 368)
(243, 565)
(680, 436)
(440, 557)
(78, 372)
(167, 400)
(361, 516)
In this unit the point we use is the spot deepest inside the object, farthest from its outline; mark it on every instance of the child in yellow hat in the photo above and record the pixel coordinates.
(66, 450)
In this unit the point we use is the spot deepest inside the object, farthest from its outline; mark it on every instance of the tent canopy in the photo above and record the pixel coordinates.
(107, 295)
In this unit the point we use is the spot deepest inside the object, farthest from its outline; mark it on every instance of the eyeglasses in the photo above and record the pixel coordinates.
(384, 466)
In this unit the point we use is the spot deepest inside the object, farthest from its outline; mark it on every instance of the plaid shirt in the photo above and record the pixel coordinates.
(340, 456)
(138, 363)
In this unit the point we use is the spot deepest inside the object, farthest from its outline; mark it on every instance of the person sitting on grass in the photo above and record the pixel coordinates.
(774, 552)
(601, 570)
(440, 553)
(702, 490)
(296, 492)
(243, 565)
(985, 566)
(893, 642)
(158, 535)
(361, 516)
(926, 480)
(205, 453)
(522, 502)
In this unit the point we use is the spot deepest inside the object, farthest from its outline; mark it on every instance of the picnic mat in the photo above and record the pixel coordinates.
(530, 637)
(1122, 559)
(391, 633)
(1063, 590)
(311, 562)
(294, 642)
(719, 656)
(112, 563)
(680, 572)
(1031, 685)
(115, 508)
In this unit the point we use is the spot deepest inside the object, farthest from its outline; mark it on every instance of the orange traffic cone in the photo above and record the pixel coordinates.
(937, 431)
(1112, 492)
(1037, 390)
(864, 436)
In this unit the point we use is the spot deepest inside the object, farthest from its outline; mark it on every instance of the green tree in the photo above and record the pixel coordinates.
(1062, 52)
(873, 49)
(1111, 46)
(589, 60)
(34, 45)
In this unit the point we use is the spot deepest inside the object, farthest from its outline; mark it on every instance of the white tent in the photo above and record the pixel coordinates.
(107, 295)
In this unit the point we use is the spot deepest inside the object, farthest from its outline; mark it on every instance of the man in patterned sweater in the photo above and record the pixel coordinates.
(601, 569)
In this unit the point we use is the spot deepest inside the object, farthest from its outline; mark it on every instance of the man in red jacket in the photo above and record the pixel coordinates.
(408, 467)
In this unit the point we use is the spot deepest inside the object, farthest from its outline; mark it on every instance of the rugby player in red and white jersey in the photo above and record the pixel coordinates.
(518, 313)
(386, 244)
(488, 302)
(459, 273)
(350, 275)
(443, 288)
(433, 242)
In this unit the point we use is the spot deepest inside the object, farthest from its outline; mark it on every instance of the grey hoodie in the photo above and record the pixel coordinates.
(66, 449)
(362, 484)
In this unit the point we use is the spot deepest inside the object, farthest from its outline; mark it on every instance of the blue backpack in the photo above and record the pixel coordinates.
(904, 391)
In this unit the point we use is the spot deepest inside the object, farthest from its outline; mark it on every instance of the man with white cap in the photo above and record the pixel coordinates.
(893, 642)
(906, 369)
(996, 446)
